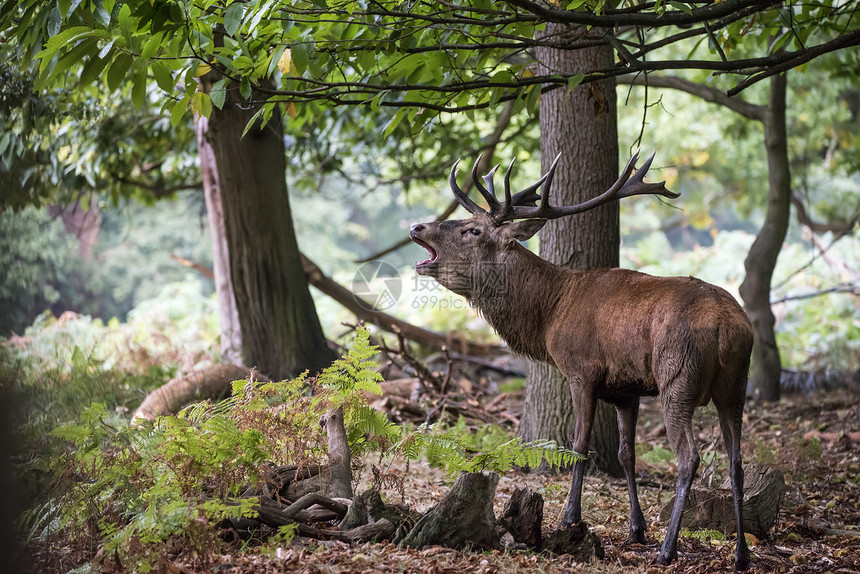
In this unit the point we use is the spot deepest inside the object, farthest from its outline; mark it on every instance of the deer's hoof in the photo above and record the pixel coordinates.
(635, 537)
(664, 558)
(742, 562)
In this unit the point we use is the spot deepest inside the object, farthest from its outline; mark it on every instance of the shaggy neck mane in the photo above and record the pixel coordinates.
(520, 303)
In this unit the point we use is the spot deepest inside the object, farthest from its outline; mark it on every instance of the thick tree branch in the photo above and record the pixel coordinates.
(613, 19)
(360, 92)
(799, 58)
(158, 191)
(363, 311)
(803, 217)
(707, 93)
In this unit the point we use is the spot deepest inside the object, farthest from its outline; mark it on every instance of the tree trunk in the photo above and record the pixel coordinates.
(228, 314)
(761, 260)
(581, 124)
(281, 334)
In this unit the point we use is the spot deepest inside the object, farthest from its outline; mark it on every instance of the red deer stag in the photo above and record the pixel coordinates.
(615, 334)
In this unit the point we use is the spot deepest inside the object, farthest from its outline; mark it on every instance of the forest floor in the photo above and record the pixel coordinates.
(814, 440)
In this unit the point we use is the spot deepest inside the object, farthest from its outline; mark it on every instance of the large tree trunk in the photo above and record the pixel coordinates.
(281, 334)
(228, 314)
(761, 260)
(582, 125)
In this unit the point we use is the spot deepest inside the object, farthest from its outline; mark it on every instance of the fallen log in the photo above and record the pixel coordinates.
(713, 508)
(275, 514)
(277, 480)
(214, 382)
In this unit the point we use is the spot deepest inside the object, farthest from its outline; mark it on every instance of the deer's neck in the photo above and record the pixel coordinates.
(520, 300)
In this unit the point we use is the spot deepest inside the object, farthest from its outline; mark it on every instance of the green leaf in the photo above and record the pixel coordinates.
(233, 18)
(163, 76)
(376, 100)
(299, 52)
(394, 122)
(151, 46)
(102, 16)
(201, 103)
(106, 49)
(252, 123)
(574, 81)
(680, 6)
(178, 111)
(63, 39)
(138, 89)
(92, 70)
(55, 21)
(4, 141)
(118, 70)
(125, 23)
(85, 49)
(218, 94)
(274, 58)
(245, 88)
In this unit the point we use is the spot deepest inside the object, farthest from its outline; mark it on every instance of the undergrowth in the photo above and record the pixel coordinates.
(138, 492)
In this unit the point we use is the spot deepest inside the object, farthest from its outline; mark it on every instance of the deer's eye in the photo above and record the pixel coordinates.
(475, 231)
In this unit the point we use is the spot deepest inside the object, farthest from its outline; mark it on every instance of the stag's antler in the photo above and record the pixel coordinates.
(524, 204)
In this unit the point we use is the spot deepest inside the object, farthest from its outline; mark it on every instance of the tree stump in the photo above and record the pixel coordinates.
(576, 540)
(523, 517)
(339, 456)
(714, 509)
(368, 508)
(463, 519)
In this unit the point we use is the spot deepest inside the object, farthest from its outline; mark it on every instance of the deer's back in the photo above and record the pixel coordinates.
(636, 333)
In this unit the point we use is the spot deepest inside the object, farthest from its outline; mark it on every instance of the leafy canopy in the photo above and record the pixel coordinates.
(416, 56)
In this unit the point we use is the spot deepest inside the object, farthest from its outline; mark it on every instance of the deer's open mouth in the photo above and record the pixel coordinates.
(433, 254)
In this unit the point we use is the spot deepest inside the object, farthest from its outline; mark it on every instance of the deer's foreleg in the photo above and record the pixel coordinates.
(628, 414)
(584, 405)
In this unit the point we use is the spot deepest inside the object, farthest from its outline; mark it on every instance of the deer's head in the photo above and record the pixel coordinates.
(467, 253)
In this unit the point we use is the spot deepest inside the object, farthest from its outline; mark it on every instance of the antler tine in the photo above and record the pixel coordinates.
(637, 186)
(528, 195)
(508, 183)
(488, 195)
(544, 196)
(461, 196)
(626, 185)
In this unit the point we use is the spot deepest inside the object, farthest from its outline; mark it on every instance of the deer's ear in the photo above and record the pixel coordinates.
(522, 230)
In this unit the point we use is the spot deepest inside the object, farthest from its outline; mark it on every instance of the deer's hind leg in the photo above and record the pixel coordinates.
(730, 412)
(678, 413)
(628, 414)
